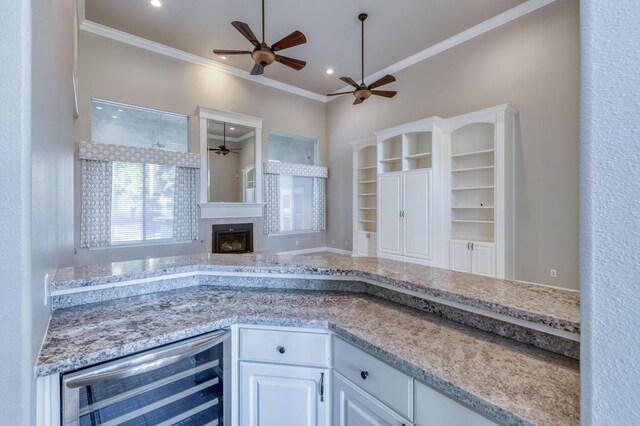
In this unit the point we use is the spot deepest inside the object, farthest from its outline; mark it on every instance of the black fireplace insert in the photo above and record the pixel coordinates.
(233, 238)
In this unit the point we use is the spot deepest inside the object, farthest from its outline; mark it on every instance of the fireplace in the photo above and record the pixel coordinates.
(234, 238)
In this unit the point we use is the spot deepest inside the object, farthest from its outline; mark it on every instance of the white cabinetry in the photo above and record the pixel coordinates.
(436, 409)
(283, 377)
(365, 178)
(354, 407)
(474, 257)
(480, 148)
(405, 211)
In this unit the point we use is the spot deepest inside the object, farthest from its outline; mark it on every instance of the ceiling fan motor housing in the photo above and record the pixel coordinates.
(263, 56)
(362, 94)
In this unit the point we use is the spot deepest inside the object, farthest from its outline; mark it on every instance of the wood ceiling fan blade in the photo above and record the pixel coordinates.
(339, 93)
(296, 64)
(382, 81)
(245, 30)
(257, 69)
(296, 38)
(358, 101)
(231, 52)
(385, 93)
(350, 82)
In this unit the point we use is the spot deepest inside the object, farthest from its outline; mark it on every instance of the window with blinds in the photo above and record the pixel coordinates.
(296, 203)
(142, 199)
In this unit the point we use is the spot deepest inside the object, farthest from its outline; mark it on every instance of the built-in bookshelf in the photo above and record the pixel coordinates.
(365, 188)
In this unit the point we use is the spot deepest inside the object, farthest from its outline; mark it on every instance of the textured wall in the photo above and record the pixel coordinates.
(610, 213)
(532, 63)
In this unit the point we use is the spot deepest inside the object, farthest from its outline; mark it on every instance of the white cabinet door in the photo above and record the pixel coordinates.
(277, 395)
(416, 212)
(436, 409)
(373, 244)
(483, 259)
(460, 257)
(362, 244)
(389, 206)
(354, 407)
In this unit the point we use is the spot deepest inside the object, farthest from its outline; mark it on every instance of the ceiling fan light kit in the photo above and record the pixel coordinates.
(262, 54)
(363, 92)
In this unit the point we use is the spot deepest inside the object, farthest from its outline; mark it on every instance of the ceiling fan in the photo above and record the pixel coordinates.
(262, 54)
(222, 149)
(362, 91)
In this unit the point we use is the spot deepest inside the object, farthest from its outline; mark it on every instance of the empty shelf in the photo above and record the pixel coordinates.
(367, 208)
(472, 188)
(391, 160)
(472, 207)
(368, 181)
(369, 194)
(472, 221)
(367, 167)
(465, 154)
(471, 169)
(418, 156)
(367, 221)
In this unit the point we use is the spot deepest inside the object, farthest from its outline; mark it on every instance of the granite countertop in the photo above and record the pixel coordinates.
(512, 382)
(553, 307)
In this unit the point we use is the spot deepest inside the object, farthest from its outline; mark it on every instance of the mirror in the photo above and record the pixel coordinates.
(231, 162)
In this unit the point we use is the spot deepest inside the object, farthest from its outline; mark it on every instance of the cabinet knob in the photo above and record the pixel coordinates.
(364, 375)
(281, 349)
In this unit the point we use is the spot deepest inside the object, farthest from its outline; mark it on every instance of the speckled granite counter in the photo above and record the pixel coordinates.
(555, 308)
(512, 382)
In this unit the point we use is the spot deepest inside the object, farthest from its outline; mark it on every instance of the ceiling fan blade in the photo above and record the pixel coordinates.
(231, 52)
(385, 93)
(382, 81)
(294, 39)
(246, 32)
(358, 101)
(296, 64)
(339, 93)
(257, 69)
(350, 82)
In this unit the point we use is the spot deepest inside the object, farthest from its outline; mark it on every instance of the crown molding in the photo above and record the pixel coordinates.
(453, 41)
(143, 43)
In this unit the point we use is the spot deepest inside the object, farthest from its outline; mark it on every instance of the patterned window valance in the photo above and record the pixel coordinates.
(295, 170)
(133, 154)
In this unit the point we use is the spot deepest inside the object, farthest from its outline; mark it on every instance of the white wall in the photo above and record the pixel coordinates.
(120, 72)
(610, 213)
(36, 53)
(533, 64)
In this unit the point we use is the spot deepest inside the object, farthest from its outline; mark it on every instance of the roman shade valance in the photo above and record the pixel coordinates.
(133, 154)
(289, 169)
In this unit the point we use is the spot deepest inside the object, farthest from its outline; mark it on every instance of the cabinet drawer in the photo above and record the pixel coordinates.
(290, 347)
(384, 382)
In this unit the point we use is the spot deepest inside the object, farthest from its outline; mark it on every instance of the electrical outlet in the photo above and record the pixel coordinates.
(297, 243)
(346, 243)
(553, 273)
(333, 242)
(46, 289)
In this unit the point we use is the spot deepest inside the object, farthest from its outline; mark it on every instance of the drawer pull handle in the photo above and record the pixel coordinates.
(364, 375)
(281, 349)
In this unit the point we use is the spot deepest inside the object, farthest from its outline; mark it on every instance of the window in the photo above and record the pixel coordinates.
(296, 203)
(122, 124)
(142, 199)
(292, 149)
(139, 183)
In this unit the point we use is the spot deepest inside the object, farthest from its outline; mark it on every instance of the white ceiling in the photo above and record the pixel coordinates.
(394, 30)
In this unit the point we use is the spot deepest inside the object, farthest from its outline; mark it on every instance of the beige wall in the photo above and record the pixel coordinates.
(119, 72)
(531, 63)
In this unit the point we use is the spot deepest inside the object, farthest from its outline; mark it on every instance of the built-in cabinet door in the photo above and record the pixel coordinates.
(416, 212)
(389, 209)
(354, 407)
(373, 244)
(362, 244)
(279, 395)
(483, 259)
(460, 257)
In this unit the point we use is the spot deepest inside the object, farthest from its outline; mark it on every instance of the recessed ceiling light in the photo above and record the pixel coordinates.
(98, 107)
(329, 71)
(223, 57)
(232, 128)
(120, 110)
(156, 3)
(114, 116)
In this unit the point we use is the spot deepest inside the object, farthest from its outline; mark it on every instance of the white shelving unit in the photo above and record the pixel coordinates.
(480, 162)
(365, 193)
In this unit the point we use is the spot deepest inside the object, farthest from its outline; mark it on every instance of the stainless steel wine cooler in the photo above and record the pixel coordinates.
(179, 384)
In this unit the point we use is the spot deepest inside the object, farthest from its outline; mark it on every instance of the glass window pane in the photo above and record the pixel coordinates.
(123, 124)
(296, 203)
(126, 202)
(292, 149)
(160, 180)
